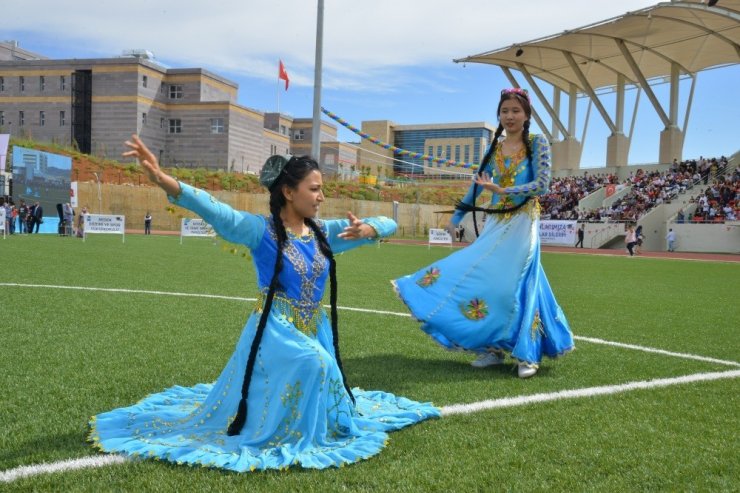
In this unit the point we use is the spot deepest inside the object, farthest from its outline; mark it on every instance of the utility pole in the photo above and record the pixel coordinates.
(316, 124)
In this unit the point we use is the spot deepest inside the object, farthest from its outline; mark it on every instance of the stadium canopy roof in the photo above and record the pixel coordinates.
(640, 46)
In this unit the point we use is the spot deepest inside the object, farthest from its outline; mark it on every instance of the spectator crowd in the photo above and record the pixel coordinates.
(718, 198)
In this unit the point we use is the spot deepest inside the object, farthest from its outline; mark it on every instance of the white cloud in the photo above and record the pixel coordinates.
(367, 45)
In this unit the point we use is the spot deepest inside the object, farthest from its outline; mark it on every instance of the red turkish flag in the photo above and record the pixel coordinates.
(283, 74)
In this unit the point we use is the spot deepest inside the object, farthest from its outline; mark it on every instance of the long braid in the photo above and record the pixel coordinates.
(241, 415)
(326, 250)
(486, 160)
(525, 140)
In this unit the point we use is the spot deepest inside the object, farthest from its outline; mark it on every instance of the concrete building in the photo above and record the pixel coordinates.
(189, 117)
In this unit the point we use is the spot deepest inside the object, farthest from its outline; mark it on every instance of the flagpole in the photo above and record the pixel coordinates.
(316, 124)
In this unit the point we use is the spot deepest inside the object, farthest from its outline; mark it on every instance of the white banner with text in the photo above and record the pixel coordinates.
(558, 232)
(195, 227)
(439, 237)
(105, 224)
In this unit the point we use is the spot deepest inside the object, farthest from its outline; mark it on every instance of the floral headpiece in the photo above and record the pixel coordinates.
(517, 90)
(272, 169)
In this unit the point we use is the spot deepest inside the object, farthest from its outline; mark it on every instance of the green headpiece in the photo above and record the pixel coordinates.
(272, 169)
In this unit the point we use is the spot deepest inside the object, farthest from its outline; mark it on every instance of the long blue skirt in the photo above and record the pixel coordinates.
(298, 410)
(492, 295)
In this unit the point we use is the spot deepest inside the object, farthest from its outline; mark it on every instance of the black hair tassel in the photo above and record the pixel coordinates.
(241, 417)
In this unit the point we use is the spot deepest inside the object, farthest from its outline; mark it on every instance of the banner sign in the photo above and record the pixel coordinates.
(2, 219)
(195, 227)
(105, 224)
(4, 139)
(558, 232)
(439, 236)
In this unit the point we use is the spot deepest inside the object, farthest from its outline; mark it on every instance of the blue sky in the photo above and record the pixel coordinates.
(382, 60)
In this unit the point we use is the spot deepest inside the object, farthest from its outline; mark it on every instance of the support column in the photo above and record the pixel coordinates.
(671, 145)
(566, 154)
(618, 144)
(617, 150)
(671, 139)
(556, 107)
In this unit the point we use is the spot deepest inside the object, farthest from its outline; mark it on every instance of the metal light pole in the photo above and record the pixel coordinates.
(100, 196)
(316, 124)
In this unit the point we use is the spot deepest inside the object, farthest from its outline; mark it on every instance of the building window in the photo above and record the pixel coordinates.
(42, 83)
(175, 126)
(144, 80)
(467, 153)
(62, 83)
(217, 125)
(161, 156)
(21, 118)
(143, 119)
(22, 83)
(2, 84)
(298, 134)
(283, 130)
(161, 123)
(2, 118)
(457, 153)
(175, 91)
(62, 119)
(162, 88)
(448, 153)
(42, 118)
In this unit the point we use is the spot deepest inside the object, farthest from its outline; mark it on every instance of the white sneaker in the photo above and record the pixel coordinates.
(487, 359)
(526, 371)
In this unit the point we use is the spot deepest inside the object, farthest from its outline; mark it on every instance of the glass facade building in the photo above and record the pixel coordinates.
(463, 143)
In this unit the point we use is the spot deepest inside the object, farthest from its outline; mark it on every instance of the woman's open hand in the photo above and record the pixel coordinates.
(357, 229)
(147, 160)
(484, 181)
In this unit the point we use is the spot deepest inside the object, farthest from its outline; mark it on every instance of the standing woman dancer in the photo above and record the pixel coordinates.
(282, 398)
(492, 297)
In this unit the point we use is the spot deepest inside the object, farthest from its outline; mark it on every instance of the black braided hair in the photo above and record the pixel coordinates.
(525, 139)
(486, 160)
(241, 414)
(293, 173)
(524, 101)
(326, 250)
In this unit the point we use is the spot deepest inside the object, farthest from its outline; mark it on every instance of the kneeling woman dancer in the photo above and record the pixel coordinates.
(282, 398)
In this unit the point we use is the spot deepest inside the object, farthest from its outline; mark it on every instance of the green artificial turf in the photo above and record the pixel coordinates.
(67, 354)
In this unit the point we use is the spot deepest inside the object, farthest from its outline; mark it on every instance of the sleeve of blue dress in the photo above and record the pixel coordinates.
(382, 225)
(541, 182)
(234, 226)
(470, 197)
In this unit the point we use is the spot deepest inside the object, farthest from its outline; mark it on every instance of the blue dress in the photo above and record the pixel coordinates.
(299, 412)
(493, 295)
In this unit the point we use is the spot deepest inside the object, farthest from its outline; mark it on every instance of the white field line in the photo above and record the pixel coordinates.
(100, 461)
(131, 291)
(65, 465)
(586, 392)
(592, 340)
(657, 351)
